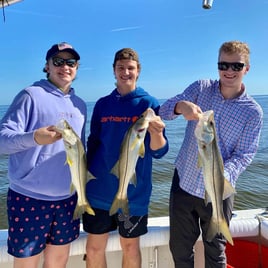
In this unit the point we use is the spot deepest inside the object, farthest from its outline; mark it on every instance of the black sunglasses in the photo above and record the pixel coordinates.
(59, 62)
(236, 66)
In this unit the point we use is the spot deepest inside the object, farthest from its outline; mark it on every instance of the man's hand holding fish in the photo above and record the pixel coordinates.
(156, 127)
(188, 109)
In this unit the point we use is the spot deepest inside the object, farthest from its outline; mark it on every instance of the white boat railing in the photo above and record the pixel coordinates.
(154, 244)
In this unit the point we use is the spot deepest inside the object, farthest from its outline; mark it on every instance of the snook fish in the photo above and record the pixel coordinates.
(76, 159)
(217, 187)
(132, 147)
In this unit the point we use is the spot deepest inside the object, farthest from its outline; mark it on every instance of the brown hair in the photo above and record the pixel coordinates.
(126, 54)
(236, 47)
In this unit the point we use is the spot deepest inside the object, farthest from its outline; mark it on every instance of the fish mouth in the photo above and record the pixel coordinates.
(60, 124)
(203, 131)
(150, 114)
(205, 115)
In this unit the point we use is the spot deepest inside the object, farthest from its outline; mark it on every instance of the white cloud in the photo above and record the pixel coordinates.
(126, 28)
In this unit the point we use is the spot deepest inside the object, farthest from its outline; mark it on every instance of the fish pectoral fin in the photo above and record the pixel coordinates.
(69, 161)
(115, 169)
(199, 161)
(134, 143)
(228, 189)
(142, 150)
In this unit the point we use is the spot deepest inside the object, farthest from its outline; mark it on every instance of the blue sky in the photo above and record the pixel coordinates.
(177, 41)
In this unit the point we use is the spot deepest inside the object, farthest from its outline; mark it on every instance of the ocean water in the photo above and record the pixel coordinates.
(252, 186)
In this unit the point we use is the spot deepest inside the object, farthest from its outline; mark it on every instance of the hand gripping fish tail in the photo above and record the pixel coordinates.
(132, 147)
(76, 160)
(217, 187)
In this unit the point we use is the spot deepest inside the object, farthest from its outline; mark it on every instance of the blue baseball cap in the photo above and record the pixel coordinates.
(55, 49)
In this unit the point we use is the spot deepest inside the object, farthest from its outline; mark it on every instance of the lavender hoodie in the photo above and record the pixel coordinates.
(40, 171)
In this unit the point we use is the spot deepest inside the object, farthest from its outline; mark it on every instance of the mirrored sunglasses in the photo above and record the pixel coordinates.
(59, 62)
(236, 66)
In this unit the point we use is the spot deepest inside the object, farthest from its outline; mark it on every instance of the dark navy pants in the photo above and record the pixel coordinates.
(188, 217)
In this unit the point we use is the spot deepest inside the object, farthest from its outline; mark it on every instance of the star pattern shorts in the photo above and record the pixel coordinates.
(34, 223)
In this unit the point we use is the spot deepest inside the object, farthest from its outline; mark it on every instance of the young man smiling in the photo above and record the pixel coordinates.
(112, 117)
(39, 203)
(238, 120)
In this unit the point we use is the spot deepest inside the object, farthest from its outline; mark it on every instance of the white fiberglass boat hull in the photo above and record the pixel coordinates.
(249, 229)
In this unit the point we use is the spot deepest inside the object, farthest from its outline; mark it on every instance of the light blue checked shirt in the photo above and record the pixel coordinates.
(238, 125)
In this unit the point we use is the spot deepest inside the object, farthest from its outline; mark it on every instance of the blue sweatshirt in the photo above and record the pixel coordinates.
(111, 118)
(40, 171)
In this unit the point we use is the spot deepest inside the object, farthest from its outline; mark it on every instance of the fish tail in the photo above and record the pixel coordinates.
(212, 230)
(119, 203)
(80, 209)
(89, 209)
(78, 212)
(224, 229)
(220, 228)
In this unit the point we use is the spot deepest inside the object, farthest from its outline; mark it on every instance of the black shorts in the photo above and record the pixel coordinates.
(128, 226)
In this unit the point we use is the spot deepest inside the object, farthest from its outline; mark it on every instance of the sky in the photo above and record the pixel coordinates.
(177, 42)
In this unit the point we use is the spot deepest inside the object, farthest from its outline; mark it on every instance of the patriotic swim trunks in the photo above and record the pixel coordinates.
(34, 223)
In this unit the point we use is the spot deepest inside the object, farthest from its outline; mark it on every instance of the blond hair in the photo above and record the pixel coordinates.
(238, 47)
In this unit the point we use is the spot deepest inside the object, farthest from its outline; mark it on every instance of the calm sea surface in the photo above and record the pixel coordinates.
(252, 186)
